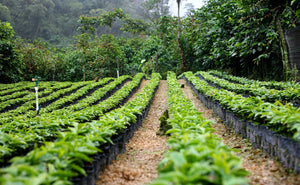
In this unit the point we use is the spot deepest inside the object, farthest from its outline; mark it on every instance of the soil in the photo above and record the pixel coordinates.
(143, 83)
(138, 165)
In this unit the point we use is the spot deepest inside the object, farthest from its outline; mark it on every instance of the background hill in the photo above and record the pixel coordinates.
(55, 21)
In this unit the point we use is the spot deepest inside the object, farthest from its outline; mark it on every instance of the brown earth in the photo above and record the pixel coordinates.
(138, 165)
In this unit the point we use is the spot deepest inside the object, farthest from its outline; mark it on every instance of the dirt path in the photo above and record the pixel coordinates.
(143, 83)
(138, 165)
(264, 170)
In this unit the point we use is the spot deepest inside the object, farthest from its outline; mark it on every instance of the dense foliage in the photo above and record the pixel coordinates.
(245, 38)
(9, 66)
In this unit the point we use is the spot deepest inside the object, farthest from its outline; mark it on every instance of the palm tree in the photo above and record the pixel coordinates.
(182, 66)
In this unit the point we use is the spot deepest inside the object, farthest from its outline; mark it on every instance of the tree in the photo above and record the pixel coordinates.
(5, 13)
(90, 24)
(189, 7)
(182, 65)
(111, 56)
(10, 68)
(154, 9)
(242, 37)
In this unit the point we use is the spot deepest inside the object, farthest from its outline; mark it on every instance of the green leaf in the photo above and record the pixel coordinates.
(178, 159)
(62, 174)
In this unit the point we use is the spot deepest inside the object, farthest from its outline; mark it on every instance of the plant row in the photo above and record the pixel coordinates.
(282, 119)
(276, 144)
(72, 98)
(29, 86)
(256, 83)
(29, 102)
(93, 99)
(74, 151)
(100, 94)
(114, 100)
(13, 85)
(14, 95)
(48, 89)
(196, 155)
(22, 134)
(24, 87)
(270, 95)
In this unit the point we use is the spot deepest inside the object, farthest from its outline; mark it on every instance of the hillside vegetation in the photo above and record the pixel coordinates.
(244, 38)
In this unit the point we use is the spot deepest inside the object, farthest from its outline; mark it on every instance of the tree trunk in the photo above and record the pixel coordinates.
(156, 66)
(54, 71)
(284, 51)
(118, 67)
(179, 39)
(83, 67)
(293, 41)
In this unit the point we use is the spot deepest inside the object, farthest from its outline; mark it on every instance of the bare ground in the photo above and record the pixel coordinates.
(138, 165)
(264, 169)
(143, 83)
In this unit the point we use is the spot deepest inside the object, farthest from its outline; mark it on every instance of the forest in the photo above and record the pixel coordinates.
(77, 40)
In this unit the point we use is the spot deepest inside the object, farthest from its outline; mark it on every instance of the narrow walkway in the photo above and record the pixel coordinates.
(143, 83)
(138, 165)
(264, 170)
